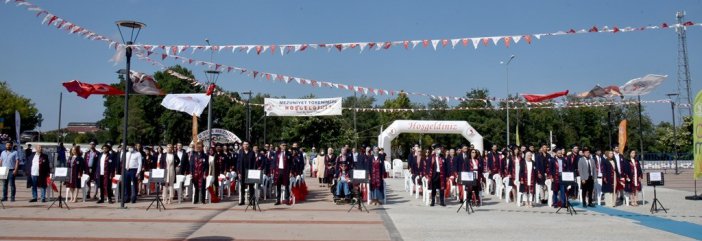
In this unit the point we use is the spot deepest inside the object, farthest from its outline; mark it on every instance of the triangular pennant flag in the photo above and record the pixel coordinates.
(538, 36)
(444, 42)
(405, 44)
(465, 41)
(475, 42)
(486, 41)
(255, 73)
(362, 46)
(527, 38)
(265, 47)
(259, 48)
(516, 39)
(282, 50)
(434, 43)
(414, 43)
(425, 43)
(387, 45)
(454, 42)
(268, 76)
(495, 40)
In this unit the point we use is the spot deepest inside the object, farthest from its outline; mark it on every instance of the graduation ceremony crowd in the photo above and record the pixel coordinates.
(529, 176)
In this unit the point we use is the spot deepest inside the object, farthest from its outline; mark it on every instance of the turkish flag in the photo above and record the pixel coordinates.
(84, 90)
(539, 98)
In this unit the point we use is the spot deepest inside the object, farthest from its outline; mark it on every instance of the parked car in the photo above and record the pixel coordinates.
(29, 136)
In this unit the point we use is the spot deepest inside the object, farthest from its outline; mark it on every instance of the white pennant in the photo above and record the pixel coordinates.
(454, 42)
(297, 80)
(265, 47)
(362, 46)
(495, 39)
(208, 47)
(248, 49)
(282, 50)
(297, 47)
(46, 18)
(475, 41)
(414, 43)
(516, 38)
(434, 43)
(538, 36)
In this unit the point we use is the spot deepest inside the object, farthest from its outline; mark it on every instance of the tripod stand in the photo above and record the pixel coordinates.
(59, 199)
(357, 199)
(569, 207)
(656, 202)
(157, 200)
(253, 198)
(468, 205)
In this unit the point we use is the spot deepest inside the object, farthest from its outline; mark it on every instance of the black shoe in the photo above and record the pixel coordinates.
(101, 201)
(584, 206)
(133, 201)
(241, 204)
(43, 200)
(33, 200)
(432, 204)
(111, 201)
(277, 203)
(443, 205)
(591, 205)
(4, 199)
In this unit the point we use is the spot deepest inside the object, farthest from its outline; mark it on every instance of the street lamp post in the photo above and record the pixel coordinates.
(675, 144)
(248, 116)
(507, 75)
(212, 76)
(132, 26)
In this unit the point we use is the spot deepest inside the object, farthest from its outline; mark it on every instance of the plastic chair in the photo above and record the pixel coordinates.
(85, 185)
(397, 167)
(178, 186)
(146, 184)
(507, 188)
(388, 169)
(498, 185)
(427, 192)
(209, 181)
(408, 182)
(115, 186)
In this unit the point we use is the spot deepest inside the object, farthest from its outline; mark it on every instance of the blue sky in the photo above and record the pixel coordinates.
(37, 59)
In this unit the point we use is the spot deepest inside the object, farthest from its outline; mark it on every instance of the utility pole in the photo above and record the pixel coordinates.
(684, 78)
(355, 109)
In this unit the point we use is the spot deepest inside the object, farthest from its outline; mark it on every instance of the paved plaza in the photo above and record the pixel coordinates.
(403, 218)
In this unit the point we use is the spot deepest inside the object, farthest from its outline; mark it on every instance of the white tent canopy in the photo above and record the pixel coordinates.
(429, 126)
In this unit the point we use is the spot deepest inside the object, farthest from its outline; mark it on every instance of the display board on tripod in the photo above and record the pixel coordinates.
(467, 178)
(158, 176)
(359, 176)
(60, 174)
(568, 178)
(655, 179)
(253, 176)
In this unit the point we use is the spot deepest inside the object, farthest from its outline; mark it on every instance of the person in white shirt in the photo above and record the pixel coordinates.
(133, 166)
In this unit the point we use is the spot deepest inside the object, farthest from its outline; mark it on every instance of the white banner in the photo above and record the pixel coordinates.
(303, 107)
(192, 104)
(643, 85)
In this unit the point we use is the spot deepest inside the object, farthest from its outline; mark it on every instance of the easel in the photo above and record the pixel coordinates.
(60, 175)
(567, 179)
(157, 177)
(253, 177)
(655, 179)
(359, 176)
(467, 179)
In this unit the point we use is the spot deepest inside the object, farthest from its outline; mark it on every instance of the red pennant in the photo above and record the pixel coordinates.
(465, 42)
(190, 61)
(163, 56)
(339, 47)
(217, 66)
(664, 25)
(688, 23)
(444, 42)
(268, 76)
(255, 73)
(571, 31)
(304, 46)
(539, 98)
(507, 41)
(371, 45)
(387, 45)
(52, 19)
(272, 49)
(148, 53)
(229, 69)
(594, 29)
(405, 44)
(61, 24)
(174, 50)
(258, 49)
(486, 41)
(615, 30)
(527, 38)
(425, 43)
(353, 45)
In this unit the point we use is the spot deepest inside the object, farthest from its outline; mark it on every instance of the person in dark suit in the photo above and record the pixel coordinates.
(541, 161)
(38, 168)
(586, 168)
(77, 167)
(199, 167)
(246, 161)
(438, 172)
(493, 167)
(283, 163)
(90, 158)
(475, 165)
(556, 168)
(104, 171)
(182, 155)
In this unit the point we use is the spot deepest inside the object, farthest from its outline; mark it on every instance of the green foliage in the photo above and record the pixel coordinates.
(11, 101)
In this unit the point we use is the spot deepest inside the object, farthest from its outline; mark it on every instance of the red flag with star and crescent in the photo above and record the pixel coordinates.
(539, 98)
(84, 90)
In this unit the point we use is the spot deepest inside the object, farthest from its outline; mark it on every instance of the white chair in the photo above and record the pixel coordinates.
(178, 187)
(408, 182)
(416, 185)
(223, 182)
(388, 169)
(85, 185)
(507, 188)
(427, 192)
(498, 185)
(398, 167)
(146, 184)
(209, 181)
(115, 187)
(266, 184)
(49, 189)
(580, 187)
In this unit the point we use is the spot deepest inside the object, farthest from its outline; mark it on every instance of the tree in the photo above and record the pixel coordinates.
(12, 102)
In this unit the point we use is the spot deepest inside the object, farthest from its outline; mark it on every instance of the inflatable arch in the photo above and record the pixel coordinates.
(437, 127)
